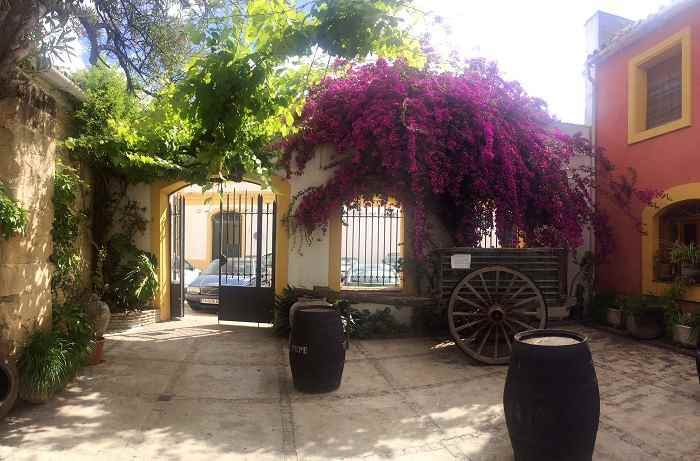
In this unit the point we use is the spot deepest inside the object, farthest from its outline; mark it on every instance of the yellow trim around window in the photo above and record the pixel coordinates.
(637, 85)
(650, 239)
(335, 244)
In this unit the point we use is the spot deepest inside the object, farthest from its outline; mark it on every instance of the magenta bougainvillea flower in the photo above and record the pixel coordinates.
(469, 148)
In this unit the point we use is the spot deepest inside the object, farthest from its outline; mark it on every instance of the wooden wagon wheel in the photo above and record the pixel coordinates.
(489, 306)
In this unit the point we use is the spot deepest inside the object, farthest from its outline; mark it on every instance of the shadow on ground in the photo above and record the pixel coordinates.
(195, 389)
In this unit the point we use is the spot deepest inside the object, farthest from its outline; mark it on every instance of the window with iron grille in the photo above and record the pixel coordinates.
(664, 91)
(372, 246)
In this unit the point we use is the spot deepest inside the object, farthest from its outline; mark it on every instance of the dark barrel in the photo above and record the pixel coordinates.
(8, 385)
(551, 398)
(317, 350)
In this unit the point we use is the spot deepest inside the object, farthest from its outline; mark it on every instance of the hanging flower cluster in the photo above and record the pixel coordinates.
(470, 148)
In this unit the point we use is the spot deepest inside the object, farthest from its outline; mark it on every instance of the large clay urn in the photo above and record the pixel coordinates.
(99, 314)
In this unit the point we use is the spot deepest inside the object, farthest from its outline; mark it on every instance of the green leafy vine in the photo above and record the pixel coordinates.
(68, 217)
(13, 217)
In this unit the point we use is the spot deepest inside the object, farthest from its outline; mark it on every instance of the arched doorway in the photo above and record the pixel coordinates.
(162, 237)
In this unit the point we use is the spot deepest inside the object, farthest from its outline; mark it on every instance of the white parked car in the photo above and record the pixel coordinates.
(375, 275)
(191, 273)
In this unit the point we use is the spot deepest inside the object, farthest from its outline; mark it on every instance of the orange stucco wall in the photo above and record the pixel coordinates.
(662, 162)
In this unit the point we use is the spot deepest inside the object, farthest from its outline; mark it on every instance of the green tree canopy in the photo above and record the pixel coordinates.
(148, 39)
(240, 93)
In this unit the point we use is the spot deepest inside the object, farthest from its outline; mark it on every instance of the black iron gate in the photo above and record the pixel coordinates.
(247, 261)
(177, 255)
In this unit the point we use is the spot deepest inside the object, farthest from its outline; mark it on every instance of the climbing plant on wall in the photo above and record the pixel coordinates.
(467, 145)
(68, 217)
(13, 217)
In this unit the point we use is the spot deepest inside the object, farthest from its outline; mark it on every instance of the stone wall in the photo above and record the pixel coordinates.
(33, 117)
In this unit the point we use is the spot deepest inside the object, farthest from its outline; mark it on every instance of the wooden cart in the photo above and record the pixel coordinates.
(502, 292)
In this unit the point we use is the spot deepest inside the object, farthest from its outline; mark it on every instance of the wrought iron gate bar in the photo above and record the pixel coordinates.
(176, 212)
(371, 253)
(246, 287)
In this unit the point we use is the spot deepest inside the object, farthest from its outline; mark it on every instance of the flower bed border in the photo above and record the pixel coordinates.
(123, 321)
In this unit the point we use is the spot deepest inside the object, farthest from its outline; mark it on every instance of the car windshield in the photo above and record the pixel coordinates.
(234, 266)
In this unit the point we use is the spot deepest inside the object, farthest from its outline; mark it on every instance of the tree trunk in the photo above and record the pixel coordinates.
(18, 18)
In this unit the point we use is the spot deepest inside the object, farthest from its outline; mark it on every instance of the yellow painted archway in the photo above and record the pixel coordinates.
(650, 240)
(160, 236)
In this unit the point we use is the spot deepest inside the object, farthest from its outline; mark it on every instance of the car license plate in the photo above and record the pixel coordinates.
(210, 301)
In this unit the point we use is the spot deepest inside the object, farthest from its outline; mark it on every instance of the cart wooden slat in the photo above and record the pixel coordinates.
(504, 291)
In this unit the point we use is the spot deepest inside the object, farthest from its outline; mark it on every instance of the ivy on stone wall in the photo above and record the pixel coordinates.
(13, 217)
(68, 216)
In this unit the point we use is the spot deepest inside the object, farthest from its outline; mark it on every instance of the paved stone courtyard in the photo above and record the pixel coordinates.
(192, 389)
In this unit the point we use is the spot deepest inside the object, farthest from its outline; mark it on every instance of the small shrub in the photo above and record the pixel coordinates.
(360, 324)
(141, 282)
(364, 324)
(280, 311)
(52, 357)
(45, 366)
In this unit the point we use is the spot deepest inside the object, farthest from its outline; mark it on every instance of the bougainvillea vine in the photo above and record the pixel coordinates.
(470, 148)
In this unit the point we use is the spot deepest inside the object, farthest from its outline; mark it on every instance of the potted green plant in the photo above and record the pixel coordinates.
(687, 257)
(663, 267)
(644, 315)
(685, 326)
(614, 313)
(99, 315)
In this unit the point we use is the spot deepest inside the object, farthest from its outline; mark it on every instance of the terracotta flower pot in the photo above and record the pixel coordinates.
(100, 315)
(97, 353)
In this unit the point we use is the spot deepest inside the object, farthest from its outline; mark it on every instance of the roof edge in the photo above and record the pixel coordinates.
(640, 29)
(59, 81)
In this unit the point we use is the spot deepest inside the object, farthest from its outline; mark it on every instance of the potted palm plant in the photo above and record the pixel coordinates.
(141, 282)
(687, 257)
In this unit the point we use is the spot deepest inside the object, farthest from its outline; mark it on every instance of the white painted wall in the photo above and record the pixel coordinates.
(308, 264)
(573, 269)
(196, 228)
